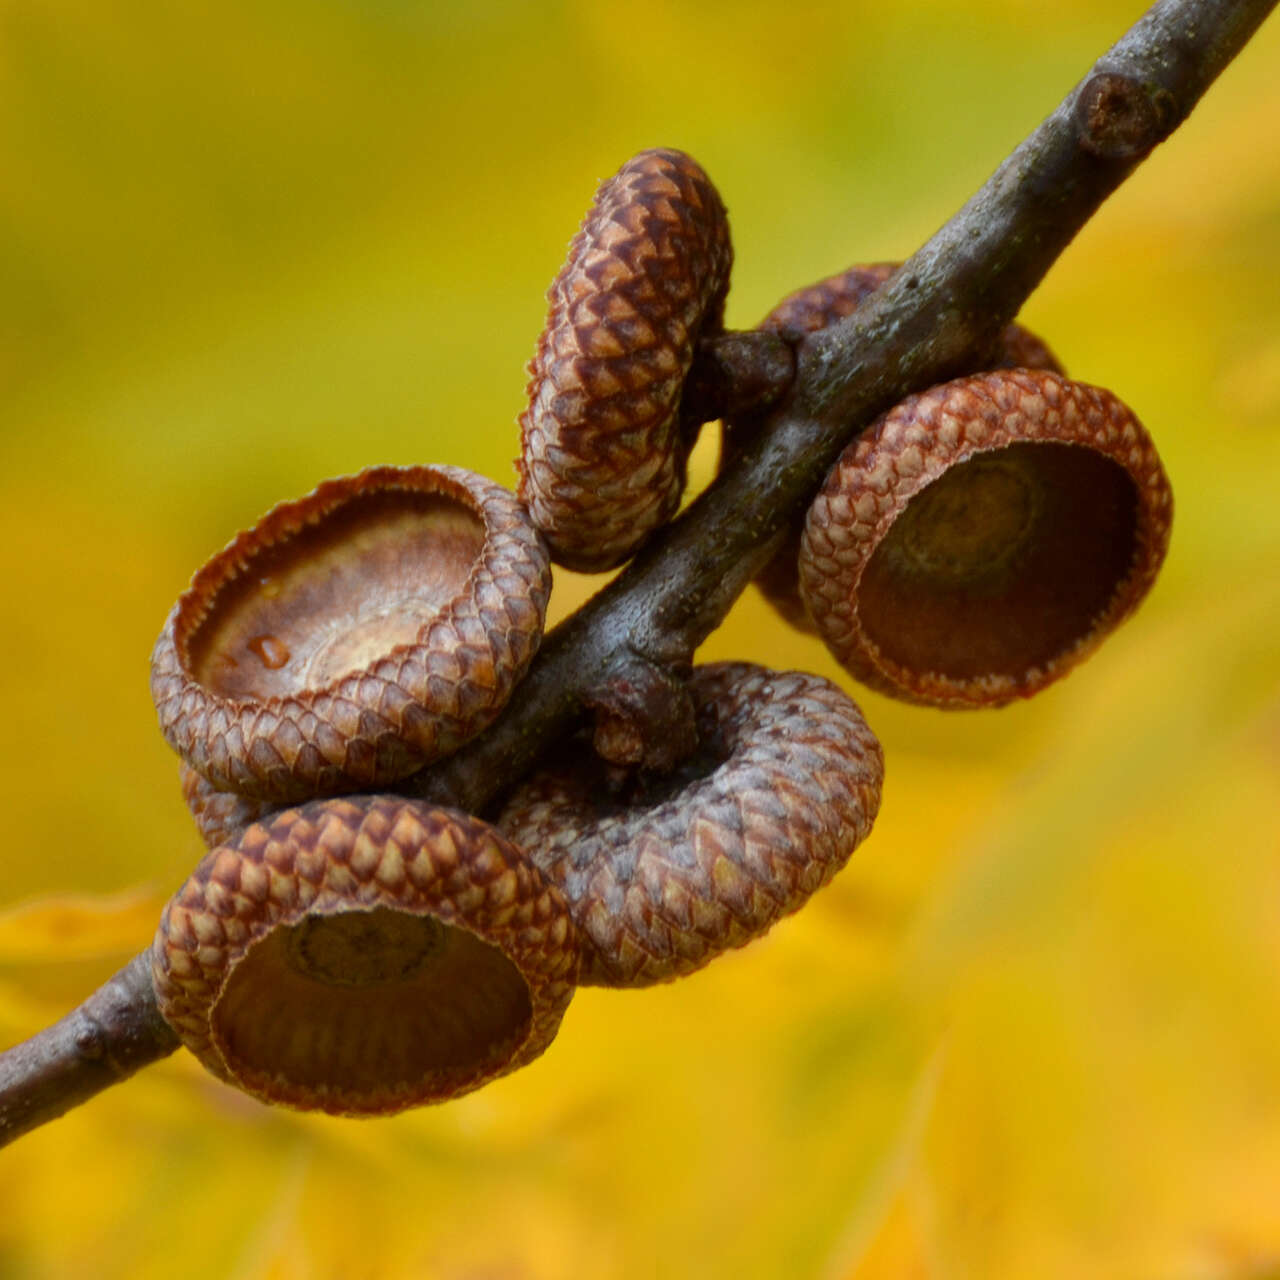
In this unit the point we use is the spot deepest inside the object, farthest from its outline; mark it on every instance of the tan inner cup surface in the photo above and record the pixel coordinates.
(1003, 563)
(334, 597)
(363, 1001)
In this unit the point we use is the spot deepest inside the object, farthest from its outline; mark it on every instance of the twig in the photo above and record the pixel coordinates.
(939, 315)
(111, 1035)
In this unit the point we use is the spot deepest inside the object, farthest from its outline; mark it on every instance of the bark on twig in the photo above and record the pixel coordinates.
(111, 1035)
(940, 314)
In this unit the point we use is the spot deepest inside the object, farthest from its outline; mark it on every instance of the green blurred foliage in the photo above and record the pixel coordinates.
(1030, 1031)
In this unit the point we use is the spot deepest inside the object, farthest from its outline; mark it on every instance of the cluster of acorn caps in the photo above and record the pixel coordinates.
(351, 949)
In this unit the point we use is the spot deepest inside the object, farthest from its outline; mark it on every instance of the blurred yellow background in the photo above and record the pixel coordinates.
(1031, 1031)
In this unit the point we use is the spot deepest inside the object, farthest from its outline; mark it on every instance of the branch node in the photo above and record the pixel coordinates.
(736, 373)
(91, 1043)
(643, 716)
(1120, 118)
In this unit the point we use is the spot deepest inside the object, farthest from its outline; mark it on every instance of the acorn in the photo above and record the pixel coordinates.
(363, 955)
(806, 311)
(984, 536)
(663, 872)
(354, 635)
(603, 447)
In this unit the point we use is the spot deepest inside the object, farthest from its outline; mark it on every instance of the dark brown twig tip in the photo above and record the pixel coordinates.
(1122, 119)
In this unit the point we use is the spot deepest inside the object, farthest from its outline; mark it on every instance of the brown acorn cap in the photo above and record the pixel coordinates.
(603, 451)
(360, 956)
(667, 871)
(984, 536)
(220, 815)
(804, 312)
(354, 635)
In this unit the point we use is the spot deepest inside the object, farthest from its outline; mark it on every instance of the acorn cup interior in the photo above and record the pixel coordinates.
(365, 954)
(1003, 563)
(353, 635)
(320, 600)
(361, 1003)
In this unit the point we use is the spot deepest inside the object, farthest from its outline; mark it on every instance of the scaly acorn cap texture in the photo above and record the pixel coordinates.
(354, 635)
(363, 955)
(807, 311)
(220, 816)
(664, 872)
(603, 449)
(983, 537)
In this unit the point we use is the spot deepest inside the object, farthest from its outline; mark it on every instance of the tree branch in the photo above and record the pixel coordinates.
(116, 1031)
(938, 316)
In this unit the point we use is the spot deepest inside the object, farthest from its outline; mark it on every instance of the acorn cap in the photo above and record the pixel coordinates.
(603, 450)
(354, 635)
(220, 816)
(984, 536)
(806, 311)
(360, 956)
(664, 872)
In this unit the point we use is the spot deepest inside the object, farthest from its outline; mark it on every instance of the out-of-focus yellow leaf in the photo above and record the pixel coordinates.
(77, 928)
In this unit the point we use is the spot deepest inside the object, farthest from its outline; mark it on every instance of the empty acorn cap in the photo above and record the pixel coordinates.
(666, 871)
(360, 956)
(806, 311)
(984, 536)
(603, 449)
(354, 635)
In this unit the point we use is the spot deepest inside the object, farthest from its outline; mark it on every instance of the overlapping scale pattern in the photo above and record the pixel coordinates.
(354, 635)
(603, 449)
(664, 874)
(363, 955)
(815, 307)
(220, 816)
(984, 536)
